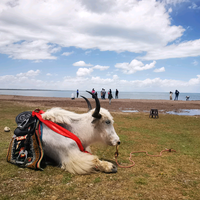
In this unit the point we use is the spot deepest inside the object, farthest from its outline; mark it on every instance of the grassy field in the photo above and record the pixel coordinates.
(172, 176)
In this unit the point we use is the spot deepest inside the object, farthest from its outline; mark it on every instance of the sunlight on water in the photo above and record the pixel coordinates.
(190, 112)
(132, 111)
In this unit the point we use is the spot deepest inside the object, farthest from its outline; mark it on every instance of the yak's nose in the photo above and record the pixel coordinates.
(118, 143)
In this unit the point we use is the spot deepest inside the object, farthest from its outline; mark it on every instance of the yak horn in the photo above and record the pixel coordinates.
(88, 103)
(97, 109)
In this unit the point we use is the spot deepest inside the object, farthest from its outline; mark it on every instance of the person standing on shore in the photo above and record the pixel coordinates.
(77, 93)
(170, 95)
(110, 96)
(72, 96)
(102, 92)
(176, 95)
(93, 92)
(116, 94)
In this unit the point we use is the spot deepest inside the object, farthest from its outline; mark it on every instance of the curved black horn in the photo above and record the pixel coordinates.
(88, 103)
(97, 109)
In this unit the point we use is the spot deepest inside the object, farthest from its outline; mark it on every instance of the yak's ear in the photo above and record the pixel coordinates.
(94, 120)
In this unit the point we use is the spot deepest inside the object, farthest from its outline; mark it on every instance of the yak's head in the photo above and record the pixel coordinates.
(103, 123)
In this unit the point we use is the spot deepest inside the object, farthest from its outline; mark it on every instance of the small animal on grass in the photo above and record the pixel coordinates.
(187, 98)
(94, 126)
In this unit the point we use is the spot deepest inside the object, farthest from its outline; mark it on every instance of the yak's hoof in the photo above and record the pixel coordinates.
(113, 170)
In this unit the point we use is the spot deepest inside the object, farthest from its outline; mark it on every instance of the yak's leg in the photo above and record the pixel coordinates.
(78, 162)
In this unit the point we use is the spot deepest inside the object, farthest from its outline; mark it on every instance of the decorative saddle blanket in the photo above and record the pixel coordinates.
(25, 149)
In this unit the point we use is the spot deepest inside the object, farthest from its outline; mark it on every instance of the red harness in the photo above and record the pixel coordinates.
(58, 129)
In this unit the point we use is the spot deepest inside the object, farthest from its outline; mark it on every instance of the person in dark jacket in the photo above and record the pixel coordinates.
(77, 93)
(110, 96)
(116, 94)
(176, 95)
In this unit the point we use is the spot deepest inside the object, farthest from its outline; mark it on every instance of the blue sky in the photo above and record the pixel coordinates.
(131, 45)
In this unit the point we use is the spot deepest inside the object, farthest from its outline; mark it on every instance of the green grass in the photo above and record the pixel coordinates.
(172, 176)
(97, 180)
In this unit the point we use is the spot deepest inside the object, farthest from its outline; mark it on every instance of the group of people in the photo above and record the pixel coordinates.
(110, 96)
(176, 95)
(73, 96)
(103, 94)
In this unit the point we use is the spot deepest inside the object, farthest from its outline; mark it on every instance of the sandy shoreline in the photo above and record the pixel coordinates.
(117, 105)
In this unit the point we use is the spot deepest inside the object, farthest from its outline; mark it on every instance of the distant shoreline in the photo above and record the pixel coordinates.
(35, 89)
(117, 105)
(96, 90)
(122, 94)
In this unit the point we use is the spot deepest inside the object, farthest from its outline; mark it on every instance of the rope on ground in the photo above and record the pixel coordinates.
(116, 155)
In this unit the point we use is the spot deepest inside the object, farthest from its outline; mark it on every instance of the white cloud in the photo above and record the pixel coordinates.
(162, 69)
(30, 73)
(194, 6)
(84, 71)
(194, 81)
(134, 66)
(49, 74)
(100, 67)
(109, 73)
(115, 77)
(81, 64)
(167, 83)
(82, 82)
(29, 50)
(170, 10)
(28, 30)
(174, 2)
(195, 63)
(67, 53)
(87, 52)
(101, 82)
(184, 49)
(37, 61)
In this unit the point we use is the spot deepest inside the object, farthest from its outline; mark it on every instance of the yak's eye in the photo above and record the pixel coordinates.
(107, 121)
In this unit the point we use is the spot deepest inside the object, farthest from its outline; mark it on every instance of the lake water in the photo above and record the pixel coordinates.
(122, 95)
(188, 112)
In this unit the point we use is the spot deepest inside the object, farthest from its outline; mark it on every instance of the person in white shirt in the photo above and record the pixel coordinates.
(72, 96)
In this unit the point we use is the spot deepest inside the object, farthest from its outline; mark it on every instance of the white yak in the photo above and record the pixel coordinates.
(93, 126)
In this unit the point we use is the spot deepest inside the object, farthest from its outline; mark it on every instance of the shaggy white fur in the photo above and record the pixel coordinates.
(89, 130)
